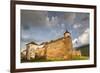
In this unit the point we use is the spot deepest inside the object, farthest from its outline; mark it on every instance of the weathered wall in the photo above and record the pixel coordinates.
(30, 54)
(40, 53)
(59, 49)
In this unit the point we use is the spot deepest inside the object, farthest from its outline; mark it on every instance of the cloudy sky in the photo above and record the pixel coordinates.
(42, 26)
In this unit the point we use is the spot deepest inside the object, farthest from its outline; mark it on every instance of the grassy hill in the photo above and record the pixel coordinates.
(84, 50)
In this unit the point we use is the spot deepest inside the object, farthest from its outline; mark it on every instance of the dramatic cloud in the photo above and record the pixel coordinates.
(83, 39)
(33, 18)
(41, 26)
(52, 22)
(69, 17)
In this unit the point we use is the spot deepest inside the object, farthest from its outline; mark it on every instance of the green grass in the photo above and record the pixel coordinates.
(55, 59)
(41, 60)
(80, 58)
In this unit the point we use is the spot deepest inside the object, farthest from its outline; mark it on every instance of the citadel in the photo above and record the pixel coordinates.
(61, 48)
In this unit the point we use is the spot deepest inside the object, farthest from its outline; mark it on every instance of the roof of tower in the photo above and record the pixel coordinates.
(67, 31)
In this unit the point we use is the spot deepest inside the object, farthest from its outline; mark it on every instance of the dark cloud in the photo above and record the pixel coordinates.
(32, 18)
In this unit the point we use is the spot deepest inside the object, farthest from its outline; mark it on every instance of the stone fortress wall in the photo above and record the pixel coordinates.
(61, 48)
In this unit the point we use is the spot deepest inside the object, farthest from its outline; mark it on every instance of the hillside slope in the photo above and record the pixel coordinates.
(84, 50)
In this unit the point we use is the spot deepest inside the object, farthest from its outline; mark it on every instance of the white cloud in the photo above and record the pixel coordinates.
(83, 39)
(76, 26)
(52, 22)
(75, 40)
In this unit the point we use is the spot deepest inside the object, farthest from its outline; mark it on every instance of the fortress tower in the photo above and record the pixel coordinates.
(67, 34)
